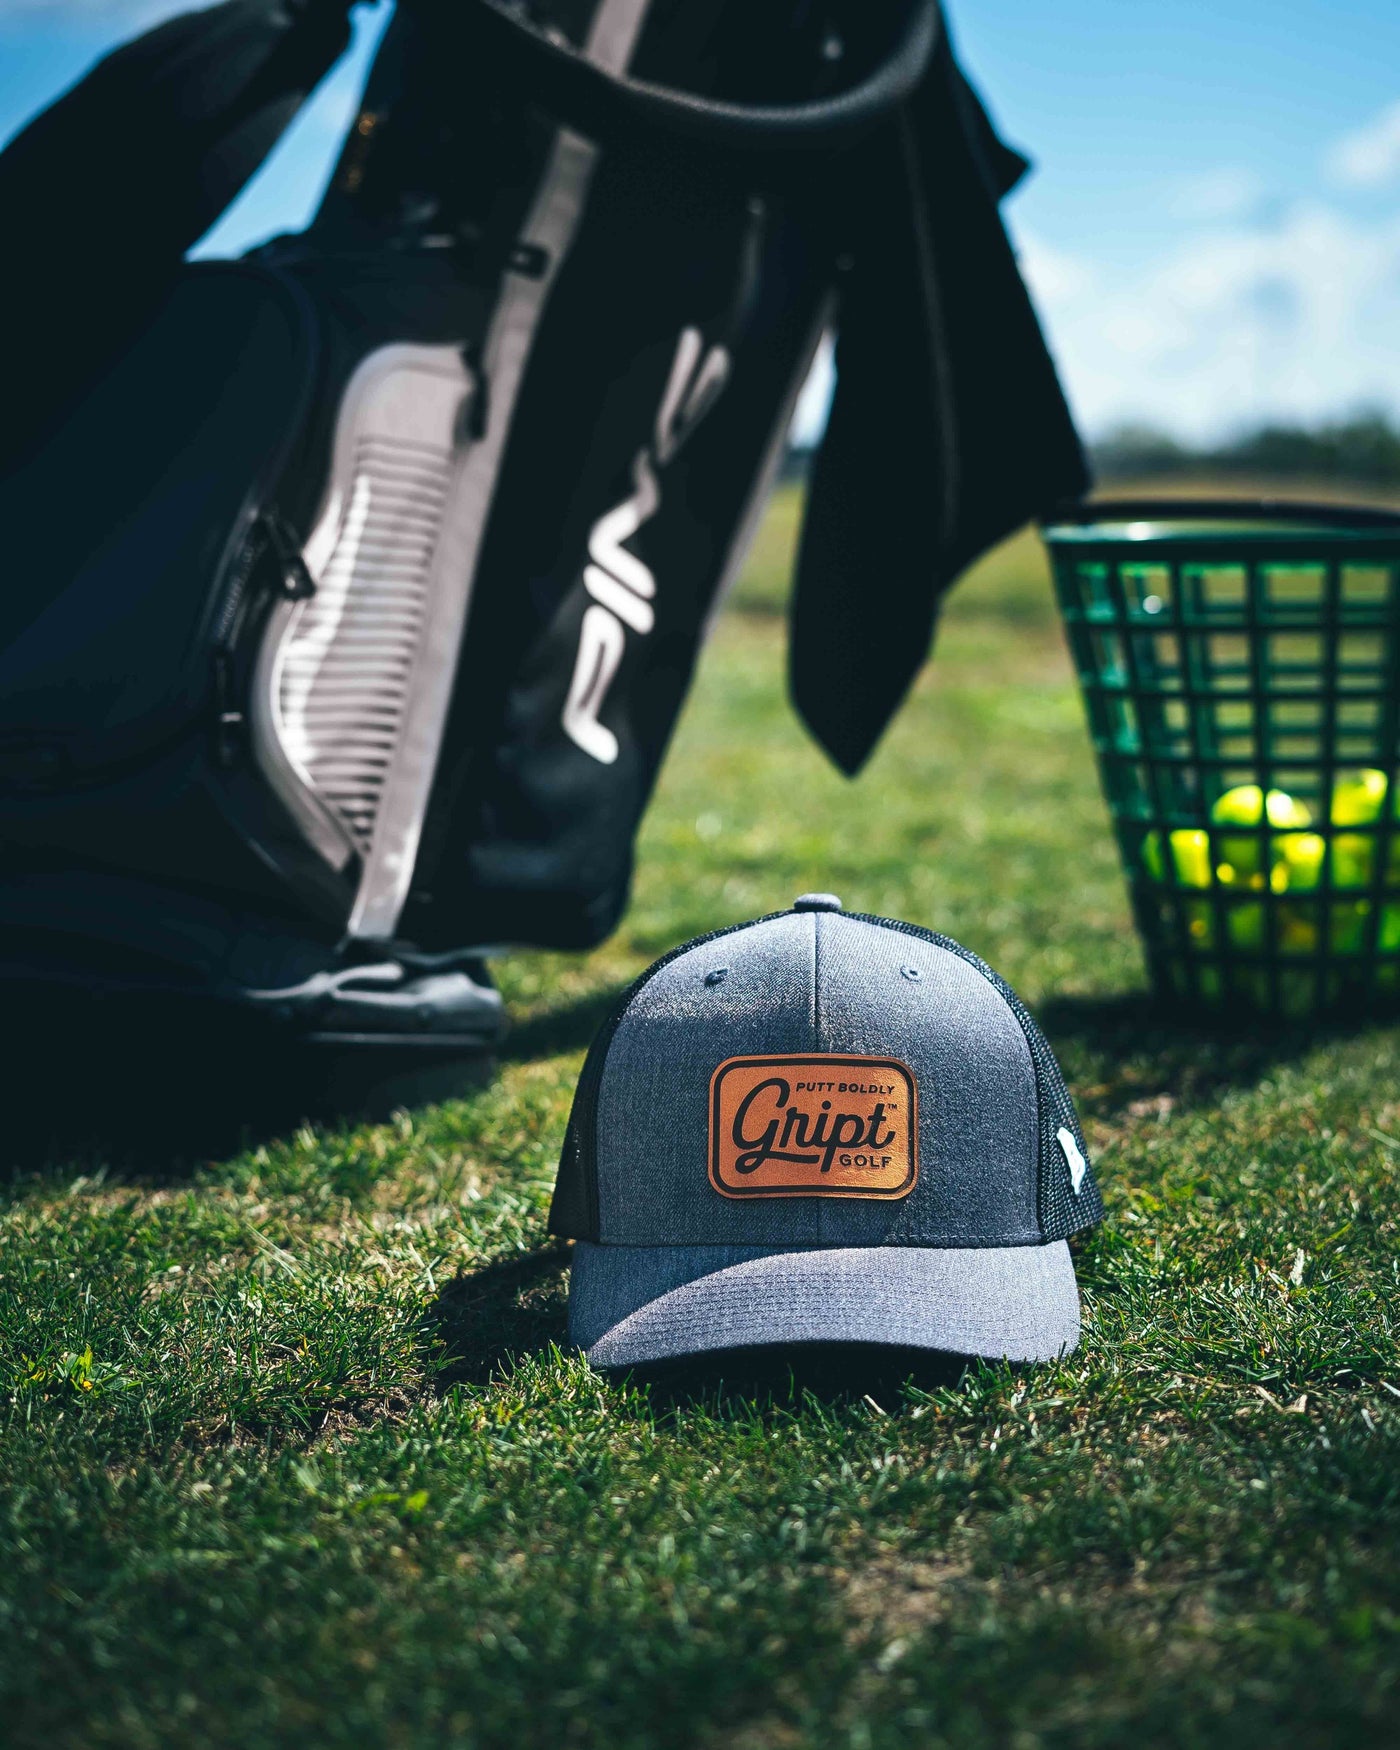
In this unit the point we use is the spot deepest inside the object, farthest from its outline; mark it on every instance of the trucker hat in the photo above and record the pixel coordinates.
(822, 1127)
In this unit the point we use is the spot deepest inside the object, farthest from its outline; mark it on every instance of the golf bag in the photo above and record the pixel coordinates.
(355, 587)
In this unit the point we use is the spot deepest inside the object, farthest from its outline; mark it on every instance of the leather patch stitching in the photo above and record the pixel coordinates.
(814, 1125)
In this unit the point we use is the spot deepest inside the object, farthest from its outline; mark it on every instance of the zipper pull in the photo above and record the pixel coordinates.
(297, 582)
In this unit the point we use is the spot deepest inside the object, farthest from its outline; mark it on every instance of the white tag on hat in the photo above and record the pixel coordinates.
(1075, 1161)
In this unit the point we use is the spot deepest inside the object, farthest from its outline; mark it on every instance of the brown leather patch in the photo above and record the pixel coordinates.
(814, 1127)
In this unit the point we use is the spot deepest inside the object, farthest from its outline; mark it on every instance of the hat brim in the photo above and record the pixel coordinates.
(631, 1305)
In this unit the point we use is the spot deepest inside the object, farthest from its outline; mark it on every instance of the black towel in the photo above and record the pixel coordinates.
(948, 427)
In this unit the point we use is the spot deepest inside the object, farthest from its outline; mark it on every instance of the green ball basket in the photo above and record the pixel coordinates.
(1223, 643)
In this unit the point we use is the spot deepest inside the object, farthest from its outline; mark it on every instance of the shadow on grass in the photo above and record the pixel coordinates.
(553, 1032)
(485, 1321)
(1122, 1051)
(784, 1376)
(154, 1094)
(482, 1321)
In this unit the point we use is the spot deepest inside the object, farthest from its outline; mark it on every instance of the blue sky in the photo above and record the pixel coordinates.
(1212, 231)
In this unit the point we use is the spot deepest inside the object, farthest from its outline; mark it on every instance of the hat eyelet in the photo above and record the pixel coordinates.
(911, 972)
(718, 976)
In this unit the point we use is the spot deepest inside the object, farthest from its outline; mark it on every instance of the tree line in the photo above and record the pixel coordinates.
(1362, 447)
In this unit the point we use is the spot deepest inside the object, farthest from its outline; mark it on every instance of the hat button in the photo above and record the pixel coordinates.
(816, 902)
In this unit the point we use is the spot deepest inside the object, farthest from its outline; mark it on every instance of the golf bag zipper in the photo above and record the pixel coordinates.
(271, 545)
(297, 581)
(268, 532)
(265, 533)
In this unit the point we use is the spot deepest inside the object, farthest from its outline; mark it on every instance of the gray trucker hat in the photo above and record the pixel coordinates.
(822, 1127)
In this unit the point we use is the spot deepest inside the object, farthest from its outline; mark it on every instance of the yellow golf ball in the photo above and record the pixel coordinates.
(1298, 859)
(1246, 805)
(1353, 859)
(1190, 855)
(1358, 800)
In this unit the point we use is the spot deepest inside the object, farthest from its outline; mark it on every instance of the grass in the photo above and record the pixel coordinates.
(291, 1453)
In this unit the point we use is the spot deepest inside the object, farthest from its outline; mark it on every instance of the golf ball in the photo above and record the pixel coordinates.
(1242, 854)
(1190, 855)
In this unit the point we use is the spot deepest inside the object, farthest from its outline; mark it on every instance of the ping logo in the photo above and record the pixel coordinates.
(621, 588)
(814, 1127)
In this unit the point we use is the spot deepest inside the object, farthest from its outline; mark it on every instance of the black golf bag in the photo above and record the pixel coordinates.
(352, 590)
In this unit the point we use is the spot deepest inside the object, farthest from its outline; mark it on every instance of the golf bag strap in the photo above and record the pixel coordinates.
(609, 106)
(105, 190)
(155, 142)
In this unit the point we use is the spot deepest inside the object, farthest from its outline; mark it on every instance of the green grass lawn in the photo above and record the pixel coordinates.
(291, 1453)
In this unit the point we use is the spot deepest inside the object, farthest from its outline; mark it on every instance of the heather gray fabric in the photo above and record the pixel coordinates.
(633, 1305)
(959, 1263)
(979, 1113)
(818, 981)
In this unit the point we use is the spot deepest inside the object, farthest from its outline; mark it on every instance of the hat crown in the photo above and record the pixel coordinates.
(820, 1021)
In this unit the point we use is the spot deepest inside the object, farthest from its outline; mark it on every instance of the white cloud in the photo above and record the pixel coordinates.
(1056, 277)
(1369, 157)
(1230, 192)
(1295, 318)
